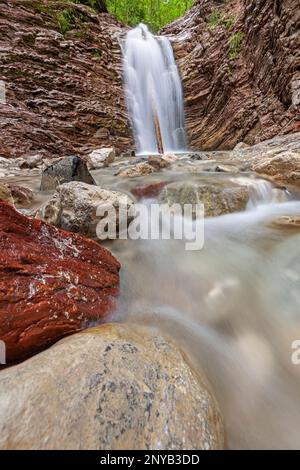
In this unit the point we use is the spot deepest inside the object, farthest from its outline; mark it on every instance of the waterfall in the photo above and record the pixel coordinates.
(153, 92)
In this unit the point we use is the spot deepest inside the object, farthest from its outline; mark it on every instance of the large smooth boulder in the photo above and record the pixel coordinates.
(115, 387)
(217, 199)
(74, 207)
(100, 158)
(64, 171)
(51, 283)
(283, 167)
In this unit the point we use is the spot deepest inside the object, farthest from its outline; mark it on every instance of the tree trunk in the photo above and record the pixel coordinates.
(159, 141)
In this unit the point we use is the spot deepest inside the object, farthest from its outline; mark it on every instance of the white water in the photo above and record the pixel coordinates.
(153, 85)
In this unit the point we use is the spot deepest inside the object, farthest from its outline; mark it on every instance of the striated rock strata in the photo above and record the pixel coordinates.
(61, 66)
(239, 62)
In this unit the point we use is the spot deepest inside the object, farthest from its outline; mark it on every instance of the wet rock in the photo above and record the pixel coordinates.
(100, 158)
(241, 146)
(149, 191)
(287, 222)
(283, 167)
(169, 157)
(115, 387)
(141, 169)
(20, 194)
(51, 283)
(32, 161)
(74, 207)
(217, 199)
(5, 194)
(158, 162)
(195, 156)
(68, 169)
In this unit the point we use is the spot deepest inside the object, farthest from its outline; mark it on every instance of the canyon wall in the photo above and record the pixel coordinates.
(61, 66)
(240, 66)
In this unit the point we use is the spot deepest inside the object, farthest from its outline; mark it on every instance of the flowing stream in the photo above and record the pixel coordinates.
(154, 92)
(233, 306)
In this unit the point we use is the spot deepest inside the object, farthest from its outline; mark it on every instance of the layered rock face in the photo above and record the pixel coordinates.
(61, 67)
(239, 62)
(52, 283)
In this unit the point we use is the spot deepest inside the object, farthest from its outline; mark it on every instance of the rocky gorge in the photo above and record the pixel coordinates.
(117, 344)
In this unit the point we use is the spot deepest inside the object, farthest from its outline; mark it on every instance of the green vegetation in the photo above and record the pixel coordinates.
(154, 13)
(234, 44)
(214, 19)
(66, 20)
(217, 18)
(227, 22)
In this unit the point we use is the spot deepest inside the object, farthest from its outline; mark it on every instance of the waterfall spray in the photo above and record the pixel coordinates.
(153, 93)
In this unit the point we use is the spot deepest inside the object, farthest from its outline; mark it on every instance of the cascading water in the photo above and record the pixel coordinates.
(153, 92)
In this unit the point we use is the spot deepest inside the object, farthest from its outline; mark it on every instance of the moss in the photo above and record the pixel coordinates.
(234, 44)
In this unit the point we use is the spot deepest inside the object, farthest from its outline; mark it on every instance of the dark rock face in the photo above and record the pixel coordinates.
(68, 169)
(239, 62)
(64, 91)
(51, 283)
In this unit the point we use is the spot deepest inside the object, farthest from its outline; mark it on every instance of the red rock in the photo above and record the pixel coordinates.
(151, 190)
(20, 194)
(52, 283)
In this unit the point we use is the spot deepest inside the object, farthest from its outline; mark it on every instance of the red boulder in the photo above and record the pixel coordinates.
(52, 283)
(149, 191)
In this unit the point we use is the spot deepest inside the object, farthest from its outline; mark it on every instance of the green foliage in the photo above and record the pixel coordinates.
(66, 20)
(217, 18)
(234, 44)
(154, 13)
(214, 19)
(227, 22)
